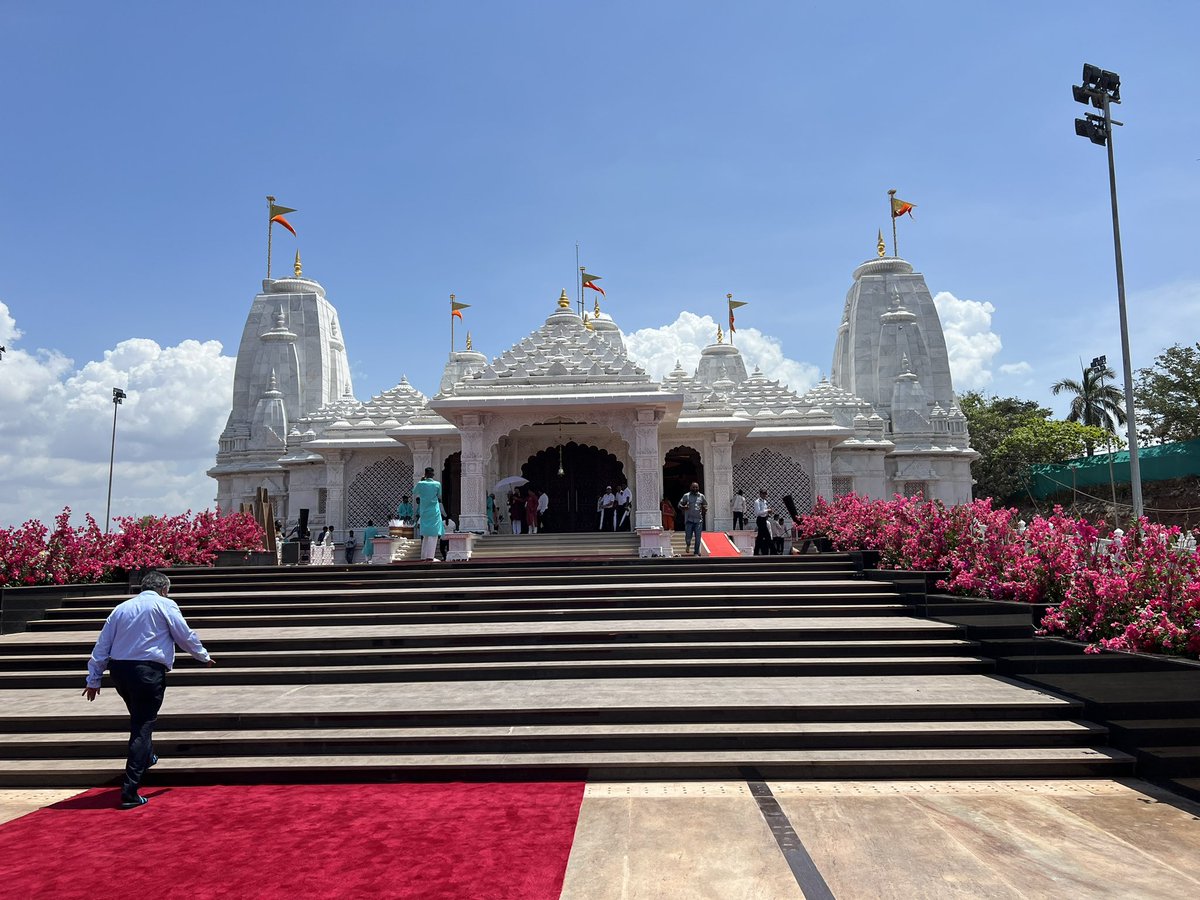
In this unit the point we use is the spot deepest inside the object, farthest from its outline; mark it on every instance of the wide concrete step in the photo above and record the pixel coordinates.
(555, 738)
(746, 611)
(268, 604)
(582, 668)
(1017, 762)
(304, 638)
(521, 652)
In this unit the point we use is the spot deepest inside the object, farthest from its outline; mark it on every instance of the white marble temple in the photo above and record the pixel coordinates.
(567, 406)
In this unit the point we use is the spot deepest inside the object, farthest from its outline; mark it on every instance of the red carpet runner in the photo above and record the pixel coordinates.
(298, 841)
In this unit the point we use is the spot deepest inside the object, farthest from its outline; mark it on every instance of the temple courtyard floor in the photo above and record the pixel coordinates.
(704, 839)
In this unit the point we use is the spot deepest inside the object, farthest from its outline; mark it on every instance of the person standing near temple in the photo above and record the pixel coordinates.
(137, 645)
(624, 502)
(404, 512)
(668, 514)
(738, 505)
(369, 535)
(542, 507)
(491, 513)
(694, 505)
(762, 515)
(531, 511)
(350, 547)
(516, 511)
(428, 494)
(608, 505)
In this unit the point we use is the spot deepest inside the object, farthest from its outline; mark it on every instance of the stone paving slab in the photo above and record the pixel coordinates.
(880, 839)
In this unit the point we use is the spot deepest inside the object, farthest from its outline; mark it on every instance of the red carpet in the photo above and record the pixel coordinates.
(297, 841)
(717, 543)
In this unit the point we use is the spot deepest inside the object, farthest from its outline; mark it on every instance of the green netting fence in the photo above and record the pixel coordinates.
(1157, 463)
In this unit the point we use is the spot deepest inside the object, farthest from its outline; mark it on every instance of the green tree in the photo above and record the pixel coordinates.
(990, 420)
(1168, 396)
(1042, 442)
(1095, 401)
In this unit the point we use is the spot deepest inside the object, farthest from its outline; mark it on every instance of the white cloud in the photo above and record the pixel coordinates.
(58, 427)
(657, 349)
(1017, 368)
(970, 341)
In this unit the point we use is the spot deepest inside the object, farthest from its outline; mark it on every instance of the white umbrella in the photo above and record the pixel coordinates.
(511, 481)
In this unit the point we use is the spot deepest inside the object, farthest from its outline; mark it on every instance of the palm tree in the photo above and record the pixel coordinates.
(1096, 401)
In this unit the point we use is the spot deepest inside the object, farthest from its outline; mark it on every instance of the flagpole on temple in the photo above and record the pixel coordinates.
(452, 323)
(579, 284)
(270, 224)
(892, 213)
(729, 301)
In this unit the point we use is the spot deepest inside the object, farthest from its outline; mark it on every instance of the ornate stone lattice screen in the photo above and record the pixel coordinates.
(375, 492)
(779, 474)
(842, 485)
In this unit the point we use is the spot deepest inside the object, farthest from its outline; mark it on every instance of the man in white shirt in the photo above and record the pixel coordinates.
(543, 505)
(738, 506)
(624, 501)
(608, 503)
(762, 515)
(137, 644)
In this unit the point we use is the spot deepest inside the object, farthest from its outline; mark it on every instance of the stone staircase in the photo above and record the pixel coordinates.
(602, 668)
(553, 545)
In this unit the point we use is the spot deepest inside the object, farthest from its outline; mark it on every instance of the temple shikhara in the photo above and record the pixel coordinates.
(567, 408)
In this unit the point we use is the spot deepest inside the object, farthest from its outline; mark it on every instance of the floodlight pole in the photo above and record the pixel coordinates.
(118, 396)
(1135, 472)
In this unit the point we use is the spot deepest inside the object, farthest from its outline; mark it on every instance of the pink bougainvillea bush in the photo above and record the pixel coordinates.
(78, 554)
(1136, 591)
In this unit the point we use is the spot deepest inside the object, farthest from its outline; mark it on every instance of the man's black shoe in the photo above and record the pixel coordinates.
(134, 802)
(153, 761)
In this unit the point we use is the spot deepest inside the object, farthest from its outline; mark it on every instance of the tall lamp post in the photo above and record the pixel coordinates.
(1101, 89)
(118, 396)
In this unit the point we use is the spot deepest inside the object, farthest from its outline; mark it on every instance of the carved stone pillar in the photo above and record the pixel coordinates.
(647, 470)
(335, 489)
(422, 451)
(472, 515)
(822, 470)
(720, 491)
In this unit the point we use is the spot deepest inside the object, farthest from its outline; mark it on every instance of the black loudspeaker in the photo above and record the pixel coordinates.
(291, 553)
(304, 524)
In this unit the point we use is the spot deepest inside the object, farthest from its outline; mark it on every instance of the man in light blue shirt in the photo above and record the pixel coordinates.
(137, 644)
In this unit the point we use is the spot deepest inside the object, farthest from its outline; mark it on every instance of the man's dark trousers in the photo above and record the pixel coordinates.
(141, 685)
(762, 541)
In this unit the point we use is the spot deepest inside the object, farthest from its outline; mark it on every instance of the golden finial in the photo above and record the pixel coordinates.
(587, 323)
(729, 296)
(563, 302)
(296, 267)
(451, 296)
(468, 340)
(597, 307)
(881, 246)
(720, 335)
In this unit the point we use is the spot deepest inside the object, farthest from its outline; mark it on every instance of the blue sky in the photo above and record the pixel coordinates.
(693, 149)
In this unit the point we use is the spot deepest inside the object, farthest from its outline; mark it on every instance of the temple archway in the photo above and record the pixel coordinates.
(681, 467)
(586, 471)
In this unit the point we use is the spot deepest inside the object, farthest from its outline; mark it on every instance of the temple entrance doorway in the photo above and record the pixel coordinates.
(451, 479)
(681, 467)
(586, 472)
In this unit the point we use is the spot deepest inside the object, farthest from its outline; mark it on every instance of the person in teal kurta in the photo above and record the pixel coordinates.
(428, 493)
(369, 535)
(404, 512)
(491, 513)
